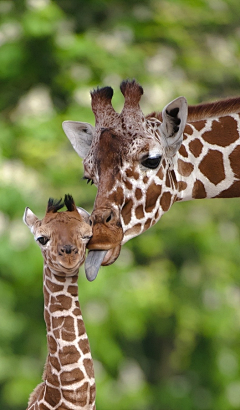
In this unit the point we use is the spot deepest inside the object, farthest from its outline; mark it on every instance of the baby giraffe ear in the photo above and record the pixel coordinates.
(80, 134)
(174, 120)
(29, 218)
(83, 213)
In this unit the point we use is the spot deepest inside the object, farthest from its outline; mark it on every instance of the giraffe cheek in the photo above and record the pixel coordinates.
(126, 212)
(165, 201)
(152, 194)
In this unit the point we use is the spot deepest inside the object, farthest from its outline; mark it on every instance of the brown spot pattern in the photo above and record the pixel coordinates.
(160, 173)
(135, 230)
(183, 151)
(199, 125)
(147, 223)
(68, 335)
(52, 377)
(212, 167)
(223, 133)
(131, 173)
(232, 192)
(188, 130)
(52, 344)
(57, 322)
(77, 396)
(182, 186)
(234, 159)
(126, 211)
(60, 302)
(73, 290)
(128, 185)
(185, 168)
(47, 318)
(139, 212)
(68, 355)
(92, 392)
(81, 327)
(88, 365)
(84, 345)
(165, 201)
(60, 278)
(53, 287)
(55, 363)
(73, 376)
(157, 214)
(43, 407)
(119, 194)
(53, 395)
(152, 194)
(196, 147)
(138, 193)
(198, 191)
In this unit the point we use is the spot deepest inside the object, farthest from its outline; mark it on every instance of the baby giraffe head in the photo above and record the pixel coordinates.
(61, 236)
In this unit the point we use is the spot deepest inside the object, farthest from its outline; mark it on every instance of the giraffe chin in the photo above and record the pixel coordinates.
(96, 258)
(66, 271)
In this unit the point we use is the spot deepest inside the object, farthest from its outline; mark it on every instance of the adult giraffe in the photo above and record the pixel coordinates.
(143, 164)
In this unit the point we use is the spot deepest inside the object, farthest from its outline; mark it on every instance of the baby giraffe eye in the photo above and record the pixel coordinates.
(151, 162)
(43, 240)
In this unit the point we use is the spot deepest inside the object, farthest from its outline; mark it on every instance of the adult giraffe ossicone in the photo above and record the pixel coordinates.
(143, 164)
(68, 380)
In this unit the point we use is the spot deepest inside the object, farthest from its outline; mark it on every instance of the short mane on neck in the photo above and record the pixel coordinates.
(205, 111)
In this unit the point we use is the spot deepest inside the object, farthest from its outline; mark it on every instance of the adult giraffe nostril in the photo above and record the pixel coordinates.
(108, 219)
(108, 216)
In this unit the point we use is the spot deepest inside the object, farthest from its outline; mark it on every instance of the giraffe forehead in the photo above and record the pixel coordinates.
(121, 149)
(60, 224)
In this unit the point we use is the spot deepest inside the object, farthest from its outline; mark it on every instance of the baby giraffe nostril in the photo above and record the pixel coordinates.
(68, 249)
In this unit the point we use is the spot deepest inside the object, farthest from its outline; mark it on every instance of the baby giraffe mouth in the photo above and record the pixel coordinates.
(68, 268)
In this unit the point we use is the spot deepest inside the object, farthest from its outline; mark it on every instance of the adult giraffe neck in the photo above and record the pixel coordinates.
(207, 164)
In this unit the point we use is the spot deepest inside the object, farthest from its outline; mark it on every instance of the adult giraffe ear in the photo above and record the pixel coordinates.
(174, 118)
(29, 218)
(80, 134)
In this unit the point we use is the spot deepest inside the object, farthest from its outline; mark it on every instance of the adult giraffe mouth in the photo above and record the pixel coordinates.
(96, 258)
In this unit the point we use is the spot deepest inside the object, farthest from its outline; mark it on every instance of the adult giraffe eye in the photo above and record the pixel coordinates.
(43, 240)
(151, 162)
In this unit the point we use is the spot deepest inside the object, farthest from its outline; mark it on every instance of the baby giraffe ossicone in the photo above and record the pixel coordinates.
(68, 379)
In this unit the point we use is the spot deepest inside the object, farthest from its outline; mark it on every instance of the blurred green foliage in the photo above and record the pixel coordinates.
(164, 320)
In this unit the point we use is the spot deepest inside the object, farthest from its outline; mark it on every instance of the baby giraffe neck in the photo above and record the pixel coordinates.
(69, 375)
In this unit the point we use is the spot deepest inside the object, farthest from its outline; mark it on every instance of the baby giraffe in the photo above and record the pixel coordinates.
(68, 379)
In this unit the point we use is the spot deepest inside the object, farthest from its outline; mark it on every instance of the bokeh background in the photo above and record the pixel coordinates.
(164, 320)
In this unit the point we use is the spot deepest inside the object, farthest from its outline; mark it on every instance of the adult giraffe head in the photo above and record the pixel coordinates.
(129, 157)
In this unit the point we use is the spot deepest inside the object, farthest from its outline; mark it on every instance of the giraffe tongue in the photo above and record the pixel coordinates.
(93, 263)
